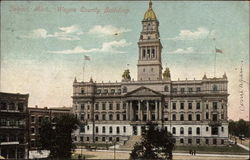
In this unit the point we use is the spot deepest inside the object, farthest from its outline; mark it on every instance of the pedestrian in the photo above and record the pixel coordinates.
(194, 152)
(190, 151)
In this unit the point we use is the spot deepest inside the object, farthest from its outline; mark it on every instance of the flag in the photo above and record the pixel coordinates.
(86, 58)
(218, 50)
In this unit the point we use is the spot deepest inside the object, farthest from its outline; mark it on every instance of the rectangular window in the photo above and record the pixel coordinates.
(222, 129)
(182, 105)
(198, 89)
(103, 139)
(182, 90)
(110, 106)
(222, 116)
(190, 105)
(214, 105)
(198, 141)
(198, 105)
(97, 106)
(124, 129)
(112, 91)
(207, 129)
(32, 118)
(174, 90)
(117, 106)
(174, 105)
(87, 138)
(189, 141)
(82, 91)
(190, 90)
(166, 105)
(103, 106)
(81, 139)
(207, 141)
(103, 129)
(82, 106)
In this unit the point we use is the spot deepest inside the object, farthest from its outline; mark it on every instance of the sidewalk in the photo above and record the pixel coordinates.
(109, 154)
(242, 146)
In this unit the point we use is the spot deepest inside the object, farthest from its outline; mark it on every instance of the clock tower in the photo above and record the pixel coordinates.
(149, 64)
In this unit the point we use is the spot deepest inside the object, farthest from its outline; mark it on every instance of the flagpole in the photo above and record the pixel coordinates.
(83, 69)
(215, 63)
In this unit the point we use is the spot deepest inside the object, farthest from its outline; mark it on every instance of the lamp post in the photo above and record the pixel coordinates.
(114, 147)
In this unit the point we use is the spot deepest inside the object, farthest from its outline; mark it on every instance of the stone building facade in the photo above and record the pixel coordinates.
(36, 115)
(13, 125)
(194, 111)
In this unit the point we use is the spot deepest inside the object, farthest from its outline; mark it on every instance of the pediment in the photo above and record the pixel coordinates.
(143, 91)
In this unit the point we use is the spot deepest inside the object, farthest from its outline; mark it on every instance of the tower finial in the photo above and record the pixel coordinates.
(150, 4)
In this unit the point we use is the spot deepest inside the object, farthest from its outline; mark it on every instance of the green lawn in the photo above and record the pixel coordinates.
(75, 156)
(234, 149)
(94, 144)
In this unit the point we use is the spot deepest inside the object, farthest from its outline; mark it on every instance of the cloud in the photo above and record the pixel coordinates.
(65, 33)
(200, 33)
(110, 47)
(107, 30)
(180, 50)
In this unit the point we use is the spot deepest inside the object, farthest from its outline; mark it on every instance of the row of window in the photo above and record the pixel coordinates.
(11, 122)
(11, 106)
(101, 139)
(190, 105)
(103, 117)
(198, 141)
(12, 138)
(39, 119)
(103, 106)
(105, 129)
(104, 91)
(189, 89)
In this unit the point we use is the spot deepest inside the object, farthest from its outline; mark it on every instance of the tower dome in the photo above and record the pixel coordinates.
(150, 14)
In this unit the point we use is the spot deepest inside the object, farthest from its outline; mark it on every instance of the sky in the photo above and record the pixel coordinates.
(43, 45)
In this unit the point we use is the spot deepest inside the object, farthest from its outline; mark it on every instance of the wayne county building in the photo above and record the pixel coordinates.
(194, 111)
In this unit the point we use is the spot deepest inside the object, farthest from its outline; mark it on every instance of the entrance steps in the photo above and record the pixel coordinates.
(129, 144)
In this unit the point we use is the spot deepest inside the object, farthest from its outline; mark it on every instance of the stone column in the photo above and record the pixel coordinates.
(127, 111)
(160, 111)
(147, 111)
(131, 110)
(156, 111)
(139, 110)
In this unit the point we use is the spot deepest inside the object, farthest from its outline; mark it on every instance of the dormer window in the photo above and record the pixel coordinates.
(82, 91)
(124, 89)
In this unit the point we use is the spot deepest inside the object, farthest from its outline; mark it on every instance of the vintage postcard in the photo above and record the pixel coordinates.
(130, 72)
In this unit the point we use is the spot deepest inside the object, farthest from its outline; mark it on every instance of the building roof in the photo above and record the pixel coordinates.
(150, 14)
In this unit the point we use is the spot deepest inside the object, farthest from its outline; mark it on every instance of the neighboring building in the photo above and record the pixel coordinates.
(13, 125)
(194, 111)
(36, 115)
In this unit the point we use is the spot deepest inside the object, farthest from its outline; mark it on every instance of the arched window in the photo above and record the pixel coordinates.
(96, 129)
(103, 129)
(174, 130)
(198, 130)
(181, 140)
(189, 130)
(182, 130)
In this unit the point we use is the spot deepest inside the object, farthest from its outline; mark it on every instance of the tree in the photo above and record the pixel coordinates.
(57, 137)
(240, 127)
(156, 144)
